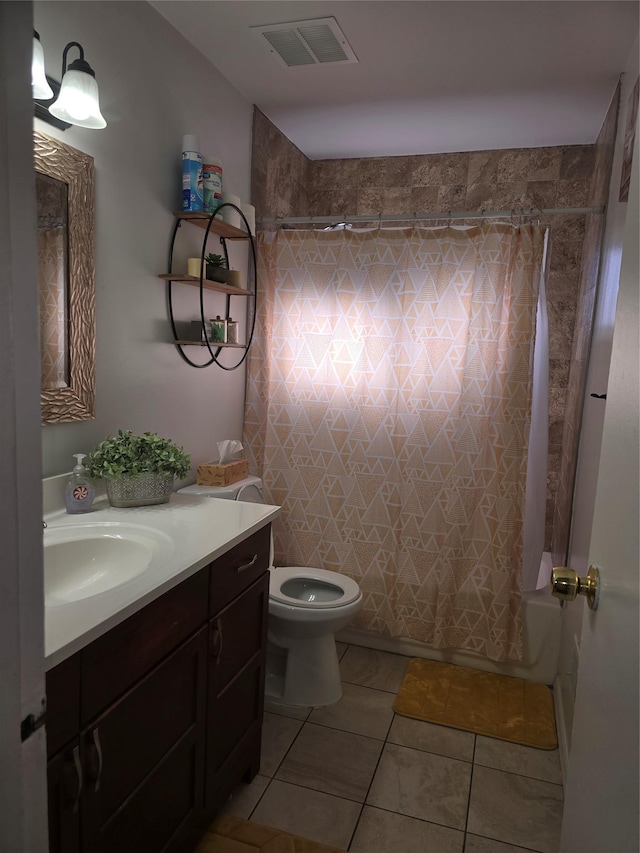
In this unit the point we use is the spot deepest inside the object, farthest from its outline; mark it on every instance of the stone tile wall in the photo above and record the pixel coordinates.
(285, 183)
(279, 172)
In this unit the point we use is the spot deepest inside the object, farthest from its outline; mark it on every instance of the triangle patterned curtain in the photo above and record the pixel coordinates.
(388, 410)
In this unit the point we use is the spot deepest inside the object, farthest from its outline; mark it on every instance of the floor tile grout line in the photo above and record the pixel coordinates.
(316, 790)
(288, 750)
(421, 819)
(266, 788)
(497, 841)
(345, 731)
(466, 817)
(520, 775)
(373, 776)
(369, 687)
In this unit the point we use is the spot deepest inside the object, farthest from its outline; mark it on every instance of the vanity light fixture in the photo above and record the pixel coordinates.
(77, 95)
(39, 85)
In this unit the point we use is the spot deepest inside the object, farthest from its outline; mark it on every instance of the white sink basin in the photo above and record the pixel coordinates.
(88, 559)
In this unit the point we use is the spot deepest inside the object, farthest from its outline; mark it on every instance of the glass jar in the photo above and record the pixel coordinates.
(218, 331)
(232, 331)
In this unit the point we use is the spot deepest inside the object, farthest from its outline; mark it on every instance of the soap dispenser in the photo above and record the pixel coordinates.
(80, 492)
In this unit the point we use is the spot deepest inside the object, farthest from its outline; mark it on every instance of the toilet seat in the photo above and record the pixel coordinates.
(283, 577)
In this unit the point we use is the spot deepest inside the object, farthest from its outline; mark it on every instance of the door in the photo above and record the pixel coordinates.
(23, 803)
(602, 791)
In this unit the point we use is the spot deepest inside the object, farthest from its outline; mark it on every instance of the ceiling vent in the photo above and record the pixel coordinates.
(307, 42)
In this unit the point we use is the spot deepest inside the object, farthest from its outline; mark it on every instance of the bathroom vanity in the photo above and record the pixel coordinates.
(154, 714)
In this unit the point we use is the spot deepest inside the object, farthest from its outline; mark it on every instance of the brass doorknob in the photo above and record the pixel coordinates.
(566, 585)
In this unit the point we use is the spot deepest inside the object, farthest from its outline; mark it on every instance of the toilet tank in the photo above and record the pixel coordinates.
(249, 489)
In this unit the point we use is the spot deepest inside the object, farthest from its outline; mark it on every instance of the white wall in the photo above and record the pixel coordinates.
(154, 87)
(594, 409)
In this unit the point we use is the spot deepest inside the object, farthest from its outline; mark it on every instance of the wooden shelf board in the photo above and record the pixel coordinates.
(212, 344)
(207, 284)
(218, 226)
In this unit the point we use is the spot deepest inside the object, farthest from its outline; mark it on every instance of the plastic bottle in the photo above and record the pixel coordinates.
(212, 183)
(192, 189)
(79, 492)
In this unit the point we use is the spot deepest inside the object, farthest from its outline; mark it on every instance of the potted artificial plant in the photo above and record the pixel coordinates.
(217, 271)
(138, 469)
(217, 268)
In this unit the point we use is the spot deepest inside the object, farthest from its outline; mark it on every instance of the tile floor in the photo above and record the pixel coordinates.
(359, 777)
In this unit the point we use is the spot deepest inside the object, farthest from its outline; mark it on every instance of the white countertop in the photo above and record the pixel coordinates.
(196, 531)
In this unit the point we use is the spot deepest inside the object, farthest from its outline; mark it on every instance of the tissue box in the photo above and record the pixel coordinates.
(215, 474)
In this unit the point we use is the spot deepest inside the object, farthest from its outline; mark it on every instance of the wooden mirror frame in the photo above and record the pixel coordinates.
(75, 402)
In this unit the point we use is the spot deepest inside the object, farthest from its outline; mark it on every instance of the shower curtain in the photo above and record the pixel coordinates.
(388, 412)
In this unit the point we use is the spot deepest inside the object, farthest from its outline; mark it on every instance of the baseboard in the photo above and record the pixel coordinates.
(561, 728)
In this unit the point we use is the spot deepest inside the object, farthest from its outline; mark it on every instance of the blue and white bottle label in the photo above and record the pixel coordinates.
(192, 186)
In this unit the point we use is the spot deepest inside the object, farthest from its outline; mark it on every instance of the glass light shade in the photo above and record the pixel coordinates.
(78, 101)
(40, 88)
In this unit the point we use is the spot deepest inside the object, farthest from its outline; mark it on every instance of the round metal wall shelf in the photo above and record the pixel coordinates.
(212, 225)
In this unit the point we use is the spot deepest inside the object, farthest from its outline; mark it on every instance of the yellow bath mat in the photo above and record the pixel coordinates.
(230, 834)
(494, 705)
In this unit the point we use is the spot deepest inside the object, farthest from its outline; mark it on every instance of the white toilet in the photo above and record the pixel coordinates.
(306, 607)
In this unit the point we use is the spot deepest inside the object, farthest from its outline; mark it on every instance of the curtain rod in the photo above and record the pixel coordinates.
(445, 214)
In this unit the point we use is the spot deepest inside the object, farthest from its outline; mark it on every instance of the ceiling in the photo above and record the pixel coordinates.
(450, 75)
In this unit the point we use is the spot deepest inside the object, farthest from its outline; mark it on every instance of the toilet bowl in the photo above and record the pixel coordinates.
(306, 608)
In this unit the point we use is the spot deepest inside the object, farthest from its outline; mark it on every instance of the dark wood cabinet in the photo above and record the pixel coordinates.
(151, 726)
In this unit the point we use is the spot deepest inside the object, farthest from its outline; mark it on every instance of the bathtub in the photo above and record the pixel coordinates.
(541, 626)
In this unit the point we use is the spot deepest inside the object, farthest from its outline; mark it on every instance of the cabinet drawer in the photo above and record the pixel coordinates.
(236, 570)
(114, 662)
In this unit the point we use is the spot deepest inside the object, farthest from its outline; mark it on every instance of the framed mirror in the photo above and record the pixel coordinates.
(66, 274)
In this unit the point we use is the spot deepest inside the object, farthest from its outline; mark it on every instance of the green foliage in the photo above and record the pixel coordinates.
(215, 260)
(127, 453)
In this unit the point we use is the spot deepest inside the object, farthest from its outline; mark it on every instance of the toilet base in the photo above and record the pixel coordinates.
(304, 674)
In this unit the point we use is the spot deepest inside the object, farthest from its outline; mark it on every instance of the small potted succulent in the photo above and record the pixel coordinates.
(216, 268)
(217, 271)
(138, 469)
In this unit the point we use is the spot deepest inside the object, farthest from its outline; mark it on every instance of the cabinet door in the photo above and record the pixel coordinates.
(237, 650)
(64, 788)
(63, 704)
(144, 759)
